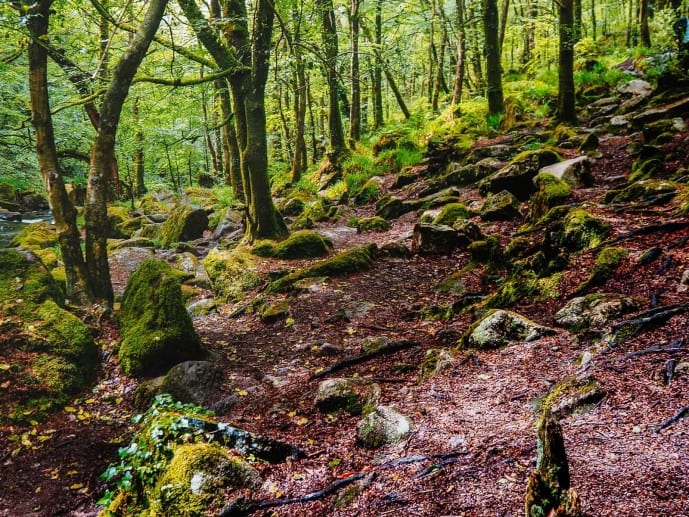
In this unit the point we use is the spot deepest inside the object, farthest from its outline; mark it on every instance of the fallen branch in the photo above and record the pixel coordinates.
(385, 350)
(243, 507)
(645, 319)
(674, 346)
(674, 418)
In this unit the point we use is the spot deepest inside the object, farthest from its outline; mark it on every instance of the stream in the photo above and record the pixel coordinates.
(8, 229)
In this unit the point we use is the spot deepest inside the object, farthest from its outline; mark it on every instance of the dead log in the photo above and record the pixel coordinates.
(351, 361)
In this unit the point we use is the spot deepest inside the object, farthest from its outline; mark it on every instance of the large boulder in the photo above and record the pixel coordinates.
(381, 427)
(575, 172)
(434, 239)
(48, 353)
(186, 223)
(157, 331)
(192, 382)
(503, 206)
(299, 245)
(231, 273)
(594, 310)
(517, 175)
(500, 328)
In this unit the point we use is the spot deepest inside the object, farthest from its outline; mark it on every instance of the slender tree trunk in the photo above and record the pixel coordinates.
(493, 67)
(644, 31)
(140, 186)
(461, 51)
(378, 119)
(440, 65)
(566, 101)
(593, 20)
(336, 144)
(355, 108)
(315, 154)
(231, 154)
(299, 163)
(530, 32)
(103, 152)
(207, 137)
(63, 211)
(578, 26)
(503, 24)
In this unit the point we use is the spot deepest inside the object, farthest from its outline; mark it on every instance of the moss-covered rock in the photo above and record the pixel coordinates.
(334, 395)
(517, 175)
(570, 395)
(157, 331)
(315, 212)
(8, 197)
(581, 230)
(487, 251)
(382, 426)
(594, 310)
(299, 245)
(390, 207)
(52, 352)
(196, 477)
(350, 261)
(500, 328)
(36, 236)
(117, 215)
(502, 206)
(434, 239)
(551, 192)
(185, 223)
(231, 273)
(368, 192)
(450, 213)
(435, 361)
(607, 261)
(372, 224)
(644, 190)
(274, 312)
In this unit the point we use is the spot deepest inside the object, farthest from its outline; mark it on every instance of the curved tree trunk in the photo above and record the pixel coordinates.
(103, 152)
(64, 213)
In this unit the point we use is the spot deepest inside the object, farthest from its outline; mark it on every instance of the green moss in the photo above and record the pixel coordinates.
(350, 261)
(487, 251)
(157, 331)
(185, 223)
(274, 312)
(524, 286)
(299, 245)
(551, 192)
(607, 262)
(643, 190)
(372, 224)
(314, 213)
(646, 168)
(581, 230)
(569, 395)
(36, 236)
(450, 213)
(231, 273)
(200, 196)
(117, 216)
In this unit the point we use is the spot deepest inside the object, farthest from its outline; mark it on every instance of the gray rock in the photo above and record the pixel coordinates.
(337, 395)
(8, 215)
(230, 223)
(636, 88)
(575, 172)
(434, 238)
(594, 310)
(127, 260)
(619, 121)
(503, 206)
(500, 328)
(192, 381)
(516, 176)
(383, 426)
(683, 286)
(202, 307)
(189, 263)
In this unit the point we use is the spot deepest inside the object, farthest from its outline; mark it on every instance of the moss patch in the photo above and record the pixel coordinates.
(607, 262)
(157, 331)
(372, 224)
(551, 192)
(36, 236)
(350, 261)
(582, 230)
(299, 245)
(231, 273)
(450, 213)
(185, 223)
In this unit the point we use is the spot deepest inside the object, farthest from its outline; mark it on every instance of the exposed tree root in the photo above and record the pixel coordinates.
(674, 418)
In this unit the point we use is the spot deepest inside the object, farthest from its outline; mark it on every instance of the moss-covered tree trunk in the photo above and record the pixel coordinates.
(231, 153)
(78, 285)
(461, 53)
(103, 152)
(566, 102)
(496, 104)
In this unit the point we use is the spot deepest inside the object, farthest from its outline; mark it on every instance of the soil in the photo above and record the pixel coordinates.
(473, 442)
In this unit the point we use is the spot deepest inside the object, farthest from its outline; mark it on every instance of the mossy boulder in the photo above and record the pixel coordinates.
(382, 426)
(372, 224)
(581, 230)
(231, 273)
(571, 395)
(607, 262)
(350, 261)
(368, 192)
(434, 239)
(435, 361)
(36, 236)
(185, 223)
(117, 215)
(461, 175)
(196, 478)
(499, 328)
(594, 310)
(315, 212)
(517, 175)
(502, 206)
(551, 192)
(52, 353)
(299, 245)
(274, 312)
(486, 251)
(157, 331)
(450, 213)
(644, 190)
(575, 172)
(127, 228)
(333, 395)
(390, 207)
(8, 197)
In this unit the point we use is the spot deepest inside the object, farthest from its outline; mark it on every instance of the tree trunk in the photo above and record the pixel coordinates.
(355, 108)
(103, 152)
(231, 154)
(492, 51)
(336, 144)
(461, 51)
(566, 101)
(63, 211)
(140, 186)
(503, 24)
(577, 27)
(644, 31)
(378, 119)
(299, 163)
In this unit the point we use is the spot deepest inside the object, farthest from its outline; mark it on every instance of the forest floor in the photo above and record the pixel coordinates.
(473, 442)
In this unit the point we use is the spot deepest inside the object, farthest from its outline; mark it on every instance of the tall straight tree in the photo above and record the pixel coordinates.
(496, 103)
(378, 119)
(336, 145)
(566, 111)
(355, 107)
(37, 15)
(248, 55)
(461, 53)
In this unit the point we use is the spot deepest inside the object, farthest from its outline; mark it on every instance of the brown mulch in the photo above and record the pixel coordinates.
(482, 405)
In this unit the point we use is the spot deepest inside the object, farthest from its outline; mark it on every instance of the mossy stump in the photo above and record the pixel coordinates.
(157, 331)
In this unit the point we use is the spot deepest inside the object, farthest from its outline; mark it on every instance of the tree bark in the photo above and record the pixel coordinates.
(644, 31)
(496, 103)
(355, 108)
(78, 282)
(461, 52)
(231, 153)
(140, 186)
(103, 152)
(378, 119)
(566, 100)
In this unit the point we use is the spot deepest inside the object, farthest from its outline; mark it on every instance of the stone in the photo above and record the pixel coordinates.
(683, 286)
(517, 175)
(433, 239)
(575, 172)
(202, 307)
(636, 88)
(503, 206)
(395, 250)
(337, 395)
(677, 108)
(382, 426)
(190, 264)
(186, 223)
(594, 310)
(127, 260)
(8, 215)
(192, 382)
(500, 328)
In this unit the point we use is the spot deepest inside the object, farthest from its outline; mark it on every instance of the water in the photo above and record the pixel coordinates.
(8, 229)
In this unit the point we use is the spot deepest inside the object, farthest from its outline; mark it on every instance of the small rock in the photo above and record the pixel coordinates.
(594, 310)
(382, 426)
(337, 395)
(500, 328)
(202, 307)
(683, 286)
(503, 206)
(434, 238)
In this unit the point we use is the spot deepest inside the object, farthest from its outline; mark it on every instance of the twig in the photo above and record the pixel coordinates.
(389, 349)
(674, 418)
